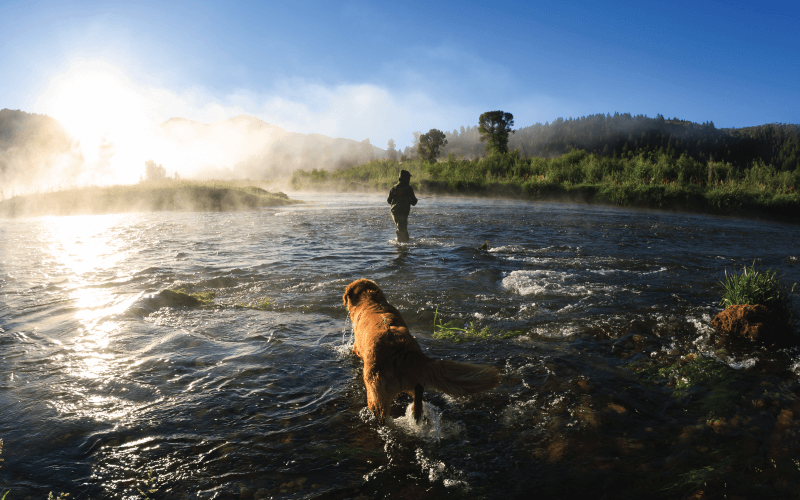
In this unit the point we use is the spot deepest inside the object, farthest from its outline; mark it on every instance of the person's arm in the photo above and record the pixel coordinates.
(413, 198)
(391, 196)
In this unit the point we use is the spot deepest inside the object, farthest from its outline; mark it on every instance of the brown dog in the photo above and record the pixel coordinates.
(393, 360)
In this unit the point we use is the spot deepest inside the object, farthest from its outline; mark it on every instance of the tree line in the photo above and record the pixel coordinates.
(615, 136)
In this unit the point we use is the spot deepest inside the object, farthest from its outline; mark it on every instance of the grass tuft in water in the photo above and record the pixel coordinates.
(148, 483)
(262, 305)
(753, 286)
(449, 331)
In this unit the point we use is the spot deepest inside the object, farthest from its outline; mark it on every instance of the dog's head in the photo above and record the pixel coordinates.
(361, 290)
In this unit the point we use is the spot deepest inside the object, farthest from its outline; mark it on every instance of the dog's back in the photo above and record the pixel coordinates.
(393, 360)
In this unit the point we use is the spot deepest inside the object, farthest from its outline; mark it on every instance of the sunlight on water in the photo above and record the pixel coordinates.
(85, 246)
(85, 243)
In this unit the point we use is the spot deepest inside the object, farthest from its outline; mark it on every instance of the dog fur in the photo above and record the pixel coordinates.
(393, 360)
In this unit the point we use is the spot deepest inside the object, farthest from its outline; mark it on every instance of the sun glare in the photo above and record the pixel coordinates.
(106, 114)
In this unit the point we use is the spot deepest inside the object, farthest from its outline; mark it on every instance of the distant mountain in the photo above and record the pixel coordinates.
(32, 146)
(257, 149)
(36, 152)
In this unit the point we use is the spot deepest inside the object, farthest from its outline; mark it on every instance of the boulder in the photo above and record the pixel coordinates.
(754, 323)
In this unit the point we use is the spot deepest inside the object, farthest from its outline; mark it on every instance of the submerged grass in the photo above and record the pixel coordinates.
(180, 297)
(702, 382)
(175, 195)
(449, 331)
(643, 178)
(754, 286)
(261, 305)
(690, 481)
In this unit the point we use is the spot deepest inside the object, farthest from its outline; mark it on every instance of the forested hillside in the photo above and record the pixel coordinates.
(773, 144)
(31, 145)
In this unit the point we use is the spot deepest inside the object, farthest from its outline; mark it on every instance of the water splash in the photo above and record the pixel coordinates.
(348, 339)
(431, 426)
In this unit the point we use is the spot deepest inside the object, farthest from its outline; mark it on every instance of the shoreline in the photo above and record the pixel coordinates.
(694, 205)
(180, 196)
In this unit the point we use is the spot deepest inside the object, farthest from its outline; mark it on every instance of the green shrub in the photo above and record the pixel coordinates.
(753, 286)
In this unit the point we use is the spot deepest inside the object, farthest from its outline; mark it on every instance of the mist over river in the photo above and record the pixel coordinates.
(614, 389)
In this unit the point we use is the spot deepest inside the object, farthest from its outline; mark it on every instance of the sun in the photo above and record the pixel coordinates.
(104, 111)
(92, 97)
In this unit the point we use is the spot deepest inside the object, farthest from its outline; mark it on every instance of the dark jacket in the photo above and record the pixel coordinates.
(401, 197)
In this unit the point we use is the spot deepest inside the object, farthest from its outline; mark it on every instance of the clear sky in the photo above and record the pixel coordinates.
(383, 70)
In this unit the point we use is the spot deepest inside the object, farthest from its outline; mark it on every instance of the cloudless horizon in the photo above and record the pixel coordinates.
(380, 71)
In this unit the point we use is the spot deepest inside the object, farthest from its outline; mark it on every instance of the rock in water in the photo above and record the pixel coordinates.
(485, 245)
(754, 323)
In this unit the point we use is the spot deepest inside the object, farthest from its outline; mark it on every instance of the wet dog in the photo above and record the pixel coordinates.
(393, 360)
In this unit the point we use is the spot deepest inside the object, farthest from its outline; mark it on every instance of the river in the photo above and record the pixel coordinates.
(599, 321)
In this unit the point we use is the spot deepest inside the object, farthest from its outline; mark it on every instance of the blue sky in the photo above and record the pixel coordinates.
(383, 70)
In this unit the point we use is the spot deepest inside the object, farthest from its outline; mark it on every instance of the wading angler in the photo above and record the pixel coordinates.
(401, 197)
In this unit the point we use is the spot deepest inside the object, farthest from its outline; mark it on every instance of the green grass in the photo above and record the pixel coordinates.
(703, 383)
(175, 195)
(695, 478)
(148, 485)
(643, 178)
(261, 305)
(180, 297)
(753, 286)
(449, 331)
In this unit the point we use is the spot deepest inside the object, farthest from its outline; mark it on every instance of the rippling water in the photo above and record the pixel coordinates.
(108, 392)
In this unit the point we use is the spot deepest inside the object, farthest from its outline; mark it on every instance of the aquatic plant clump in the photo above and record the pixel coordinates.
(753, 286)
(449, 331)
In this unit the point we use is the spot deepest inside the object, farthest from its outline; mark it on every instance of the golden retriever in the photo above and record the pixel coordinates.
(393, 360)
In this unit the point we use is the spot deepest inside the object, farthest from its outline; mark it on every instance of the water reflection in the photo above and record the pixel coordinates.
(85, 244)
(85, 249)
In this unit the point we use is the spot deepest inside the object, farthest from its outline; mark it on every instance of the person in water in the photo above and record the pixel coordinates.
(401, 197)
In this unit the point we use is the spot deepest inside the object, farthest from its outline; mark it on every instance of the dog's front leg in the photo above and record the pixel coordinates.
(378, 400)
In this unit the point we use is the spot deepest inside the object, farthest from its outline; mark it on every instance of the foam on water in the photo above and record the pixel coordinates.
(437, 471)
(534, 282)
(431, 426)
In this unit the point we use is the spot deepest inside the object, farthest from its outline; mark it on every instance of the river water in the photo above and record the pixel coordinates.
(611, 385)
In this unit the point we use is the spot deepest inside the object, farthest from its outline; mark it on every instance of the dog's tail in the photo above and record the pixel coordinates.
(459, 379)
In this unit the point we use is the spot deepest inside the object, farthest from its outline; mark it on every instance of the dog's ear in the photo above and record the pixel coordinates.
(346, 297)
(350, 297)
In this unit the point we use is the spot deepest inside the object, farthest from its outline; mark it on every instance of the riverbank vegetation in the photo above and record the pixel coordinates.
(174, 195)
(658, 179)
(621, 160)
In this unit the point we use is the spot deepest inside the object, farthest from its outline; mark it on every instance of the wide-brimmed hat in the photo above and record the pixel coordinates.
(405, 173)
